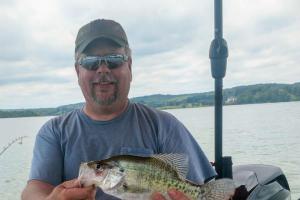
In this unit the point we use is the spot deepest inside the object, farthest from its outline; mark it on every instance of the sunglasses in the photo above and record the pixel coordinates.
(111, 61)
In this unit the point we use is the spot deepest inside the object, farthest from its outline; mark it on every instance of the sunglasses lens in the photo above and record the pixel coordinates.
(90, 64)
(112, 62)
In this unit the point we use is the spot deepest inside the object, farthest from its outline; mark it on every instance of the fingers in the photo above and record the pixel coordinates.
(173, 193)
(157, 196)
(80, 193)
(176, 195)
(72, 190)
(229, 196)
(74, 183)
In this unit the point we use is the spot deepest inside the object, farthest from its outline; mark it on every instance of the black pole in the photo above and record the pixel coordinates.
(218, 126)
(218, 19)
(218, 54)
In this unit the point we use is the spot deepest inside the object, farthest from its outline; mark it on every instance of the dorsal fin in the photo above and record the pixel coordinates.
(178, 162)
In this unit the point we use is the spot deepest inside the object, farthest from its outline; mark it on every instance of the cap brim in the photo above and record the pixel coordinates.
(83, 46)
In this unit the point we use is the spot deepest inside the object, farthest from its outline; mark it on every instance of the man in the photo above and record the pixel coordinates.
(108, 124)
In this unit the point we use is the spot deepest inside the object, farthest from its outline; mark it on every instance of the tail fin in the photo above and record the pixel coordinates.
(217, 190)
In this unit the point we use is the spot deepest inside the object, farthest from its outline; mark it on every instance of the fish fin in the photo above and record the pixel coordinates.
(217, 190)
(179, 162)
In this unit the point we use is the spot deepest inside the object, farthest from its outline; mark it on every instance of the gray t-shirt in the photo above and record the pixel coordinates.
(66, 141)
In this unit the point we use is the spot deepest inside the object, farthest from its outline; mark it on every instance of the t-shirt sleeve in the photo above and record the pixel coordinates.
(177, 139)
(47, 161)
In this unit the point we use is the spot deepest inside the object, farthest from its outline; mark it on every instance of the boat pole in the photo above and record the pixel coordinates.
(218, 54)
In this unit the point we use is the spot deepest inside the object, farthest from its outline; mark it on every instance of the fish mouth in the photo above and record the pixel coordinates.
(86, 175)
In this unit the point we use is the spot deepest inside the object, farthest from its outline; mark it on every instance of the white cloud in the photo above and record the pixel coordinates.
(170, 42)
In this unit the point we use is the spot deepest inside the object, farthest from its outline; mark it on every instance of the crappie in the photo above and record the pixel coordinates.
(133, 177)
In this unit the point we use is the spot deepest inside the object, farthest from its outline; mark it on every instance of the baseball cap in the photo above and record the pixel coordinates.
(100, 28)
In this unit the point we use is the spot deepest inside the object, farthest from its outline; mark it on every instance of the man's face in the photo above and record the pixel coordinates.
(104, 86)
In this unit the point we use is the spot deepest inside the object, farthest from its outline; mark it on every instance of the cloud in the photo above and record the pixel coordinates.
(170, 42)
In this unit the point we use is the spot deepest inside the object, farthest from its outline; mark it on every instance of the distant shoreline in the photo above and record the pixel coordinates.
(252, 94)
(162, 108)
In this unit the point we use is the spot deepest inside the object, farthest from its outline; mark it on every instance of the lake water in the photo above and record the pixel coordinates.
(258, 133)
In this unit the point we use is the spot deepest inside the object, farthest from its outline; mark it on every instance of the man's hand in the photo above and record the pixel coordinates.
(174, 195)
(71, 190)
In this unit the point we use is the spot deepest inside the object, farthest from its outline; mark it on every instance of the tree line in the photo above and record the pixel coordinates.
(259, 93)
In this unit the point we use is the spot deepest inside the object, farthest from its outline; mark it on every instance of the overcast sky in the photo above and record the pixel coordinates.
(170, 42)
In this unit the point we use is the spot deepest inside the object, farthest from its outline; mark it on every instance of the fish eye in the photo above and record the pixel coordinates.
(121, 170)
(98, 166)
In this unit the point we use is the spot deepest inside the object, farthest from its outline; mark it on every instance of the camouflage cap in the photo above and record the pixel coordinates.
(100, 28)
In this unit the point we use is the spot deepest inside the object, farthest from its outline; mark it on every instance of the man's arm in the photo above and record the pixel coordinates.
(69, 190)
(35, 190)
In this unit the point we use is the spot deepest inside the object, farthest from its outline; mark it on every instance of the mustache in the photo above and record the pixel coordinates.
(104, 78)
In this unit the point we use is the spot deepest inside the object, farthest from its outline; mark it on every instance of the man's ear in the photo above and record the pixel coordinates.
(129, 65)
(76, 68)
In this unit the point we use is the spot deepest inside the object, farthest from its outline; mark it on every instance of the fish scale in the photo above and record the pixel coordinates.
(154, 176)
(133, 177)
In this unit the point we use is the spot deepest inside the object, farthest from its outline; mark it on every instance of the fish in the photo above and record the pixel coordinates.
(133, 177)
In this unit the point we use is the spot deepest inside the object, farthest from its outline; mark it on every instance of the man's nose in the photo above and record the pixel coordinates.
(103, 68)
